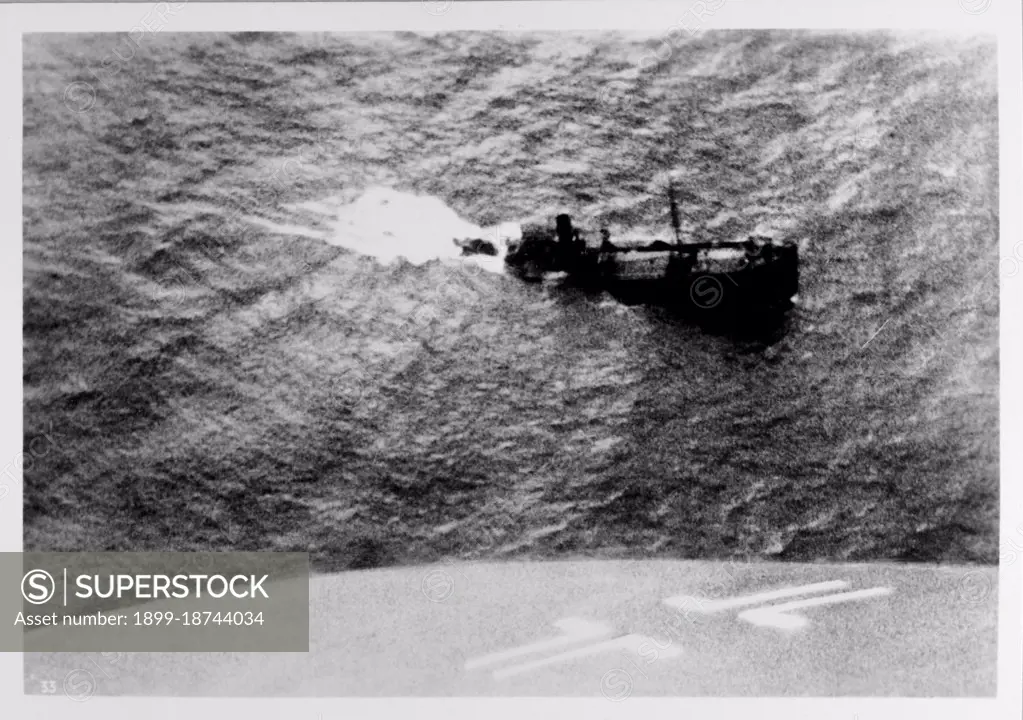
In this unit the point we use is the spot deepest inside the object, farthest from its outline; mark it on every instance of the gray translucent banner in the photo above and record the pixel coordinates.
(154, 602)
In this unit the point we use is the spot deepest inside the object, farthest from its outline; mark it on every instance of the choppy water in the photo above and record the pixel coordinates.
(235, 356)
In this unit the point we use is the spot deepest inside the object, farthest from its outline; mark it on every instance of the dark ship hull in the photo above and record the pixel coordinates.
(711, 280)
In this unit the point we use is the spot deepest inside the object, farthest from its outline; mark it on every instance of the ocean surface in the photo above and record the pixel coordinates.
(246, 326)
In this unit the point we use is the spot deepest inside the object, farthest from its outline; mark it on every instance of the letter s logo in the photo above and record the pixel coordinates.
(706, 292)
(41, 582)
(616, 685)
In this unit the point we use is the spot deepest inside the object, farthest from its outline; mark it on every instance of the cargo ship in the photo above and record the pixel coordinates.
(759, 274)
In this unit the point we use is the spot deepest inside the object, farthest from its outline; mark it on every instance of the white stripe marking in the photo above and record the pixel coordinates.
(777, 615)
(689, 602)
(627, 642)
(574, 629)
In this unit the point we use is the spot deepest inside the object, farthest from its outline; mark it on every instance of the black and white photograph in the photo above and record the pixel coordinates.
(600, 363)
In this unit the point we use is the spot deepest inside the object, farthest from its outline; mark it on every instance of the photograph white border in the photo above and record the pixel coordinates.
(998, 17)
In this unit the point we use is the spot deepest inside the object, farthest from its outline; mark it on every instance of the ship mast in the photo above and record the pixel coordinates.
(676, 222)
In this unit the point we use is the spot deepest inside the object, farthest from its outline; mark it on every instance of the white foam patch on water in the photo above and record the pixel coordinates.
(387, 224)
